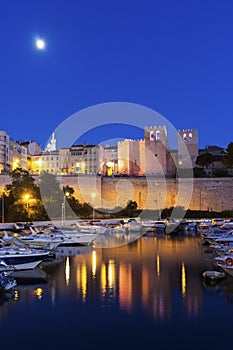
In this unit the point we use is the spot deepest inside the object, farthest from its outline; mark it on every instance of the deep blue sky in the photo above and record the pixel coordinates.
(172, 56)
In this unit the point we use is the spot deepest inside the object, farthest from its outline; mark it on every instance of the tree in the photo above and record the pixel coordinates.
(22, 202)
(51, 195)
(130, 210)
(228, 158)
(73, 208)
(204, 160)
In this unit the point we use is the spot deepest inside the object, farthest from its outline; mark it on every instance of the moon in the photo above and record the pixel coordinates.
(40, 44)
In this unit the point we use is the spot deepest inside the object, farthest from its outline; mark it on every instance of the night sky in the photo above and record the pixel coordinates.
(172, 56)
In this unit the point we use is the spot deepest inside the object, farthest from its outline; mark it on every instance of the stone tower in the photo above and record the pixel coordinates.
(156, 148)
(187, 148)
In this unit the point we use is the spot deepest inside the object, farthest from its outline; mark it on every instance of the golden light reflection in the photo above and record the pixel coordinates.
(38, 292)
(84, 281)
(78, 278)
(145, 285)
(16, 295)
(67, 271)
(158, 265)
(125, 286)
(183, 280)
(93, 263)
(103, 278)
(111, 274)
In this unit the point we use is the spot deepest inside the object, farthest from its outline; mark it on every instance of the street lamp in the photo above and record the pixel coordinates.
(26, 198)
(63, 208)
(93, 195)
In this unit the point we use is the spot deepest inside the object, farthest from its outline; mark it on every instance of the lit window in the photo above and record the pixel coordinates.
(184, 137)
(190, 136)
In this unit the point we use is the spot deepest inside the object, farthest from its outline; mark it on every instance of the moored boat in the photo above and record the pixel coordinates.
(213, 275)
(22, 258)
(6, 282)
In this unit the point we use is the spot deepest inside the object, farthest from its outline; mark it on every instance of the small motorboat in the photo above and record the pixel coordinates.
(213, 275)
(6, 282)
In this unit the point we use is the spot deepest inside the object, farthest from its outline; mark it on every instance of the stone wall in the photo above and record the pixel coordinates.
(214, 194)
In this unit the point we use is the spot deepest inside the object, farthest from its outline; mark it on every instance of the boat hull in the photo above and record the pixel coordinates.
(23, 262)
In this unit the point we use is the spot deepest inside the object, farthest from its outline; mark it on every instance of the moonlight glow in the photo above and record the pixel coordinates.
(40, 44)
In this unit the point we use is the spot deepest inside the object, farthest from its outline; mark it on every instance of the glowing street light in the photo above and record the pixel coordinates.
(15, 164)
(26, 197)
(63, 208)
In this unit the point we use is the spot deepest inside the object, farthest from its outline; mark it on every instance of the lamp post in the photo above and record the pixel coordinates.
(93, 195)
(63, 208)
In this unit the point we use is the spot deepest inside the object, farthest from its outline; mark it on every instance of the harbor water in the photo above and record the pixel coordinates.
(147, 294)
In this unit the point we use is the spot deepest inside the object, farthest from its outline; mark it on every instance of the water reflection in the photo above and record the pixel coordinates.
(39, 293)
(103, 279)
(183, 280)
(93, 263)
(158, 265)
(151, 274)
(67, 271)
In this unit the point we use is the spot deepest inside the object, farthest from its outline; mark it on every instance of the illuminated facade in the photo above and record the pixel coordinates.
(110, 160)
(78, 159)
(86, 159)
(150, 156)
(18, 155)
(4, 152)
(131, 157)
(156, 147)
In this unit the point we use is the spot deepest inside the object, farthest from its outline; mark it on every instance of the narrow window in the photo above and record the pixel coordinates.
(158, 135)
(152, 136)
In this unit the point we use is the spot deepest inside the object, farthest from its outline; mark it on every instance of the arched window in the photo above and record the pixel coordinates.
(184, 136)
(157, 135)
(152, 136)
(190, 136)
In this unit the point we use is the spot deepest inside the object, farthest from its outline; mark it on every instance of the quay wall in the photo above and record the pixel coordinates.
(214, 194)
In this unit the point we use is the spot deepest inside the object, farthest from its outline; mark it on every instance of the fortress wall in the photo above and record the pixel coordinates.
(214, 194)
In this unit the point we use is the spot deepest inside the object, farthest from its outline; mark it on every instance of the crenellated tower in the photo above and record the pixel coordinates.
(187, 148)
(156, 147)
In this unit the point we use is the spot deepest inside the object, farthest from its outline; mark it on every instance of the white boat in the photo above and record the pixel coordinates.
(118, 229)
(84, 227)
(218, 238)
(22, 258)
(63, 238)
(133, 226)
(7, 269)
(227, 264)
(213, 275)
(33, 241)
(6, 282)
